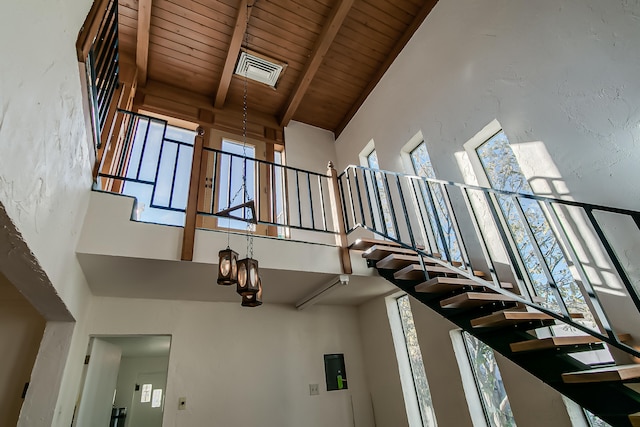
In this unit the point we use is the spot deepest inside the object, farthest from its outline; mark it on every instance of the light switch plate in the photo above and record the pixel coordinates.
(314, 390)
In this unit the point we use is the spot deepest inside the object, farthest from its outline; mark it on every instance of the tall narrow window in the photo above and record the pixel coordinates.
(420, 383)
(413, 379)
(486, 374)
(381, 197)
(237, 181)
(503, 172)
(444, 236)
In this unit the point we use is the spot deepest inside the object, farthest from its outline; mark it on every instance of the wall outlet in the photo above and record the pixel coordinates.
(182, 403)
(314, 390)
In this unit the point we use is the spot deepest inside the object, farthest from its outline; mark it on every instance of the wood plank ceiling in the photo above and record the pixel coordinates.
(335, 51)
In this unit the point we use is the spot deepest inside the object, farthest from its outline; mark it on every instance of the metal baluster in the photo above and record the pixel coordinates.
(175, 171)
(614, 259)
(569, 253)
(543, 261)
(143, 149)
(155, 181)
(466, 261)
(392, 211)
(417, 194)
(436, 218)
(298, 196)
(322, 207)
(355, 177)
(350, 192)
(313, 220)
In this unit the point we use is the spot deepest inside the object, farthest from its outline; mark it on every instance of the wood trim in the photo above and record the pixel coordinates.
(322, 45)
(338, 219)
(142, 44)
(397, 48)
(90, 28)
(244, 13)
(189, 234)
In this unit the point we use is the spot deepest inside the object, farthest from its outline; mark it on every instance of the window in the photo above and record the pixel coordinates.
(237, 190)
(160, 153)
(488, 381)
(410, 363)
(381, 194)
(503, 173)
(446, 242)
(277, 192)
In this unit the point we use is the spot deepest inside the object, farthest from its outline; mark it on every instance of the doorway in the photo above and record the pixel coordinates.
(124, 382)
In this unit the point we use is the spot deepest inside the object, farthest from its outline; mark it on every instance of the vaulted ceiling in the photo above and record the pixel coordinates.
(335, 51)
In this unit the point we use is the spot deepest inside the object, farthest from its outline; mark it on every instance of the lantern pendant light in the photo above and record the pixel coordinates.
(227, 267)
(247, 277)
(253, 300)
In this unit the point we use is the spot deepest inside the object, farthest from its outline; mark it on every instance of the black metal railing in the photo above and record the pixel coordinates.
(442, 219)
(151, 163)
(102, 68)
(285, 197)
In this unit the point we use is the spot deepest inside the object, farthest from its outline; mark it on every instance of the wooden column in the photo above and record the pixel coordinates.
(338, 219)
(189, 235)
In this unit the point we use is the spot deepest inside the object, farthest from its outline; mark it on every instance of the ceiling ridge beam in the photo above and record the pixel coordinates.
(321, 47)
(397, 48)
(142, 43)
(244, 12)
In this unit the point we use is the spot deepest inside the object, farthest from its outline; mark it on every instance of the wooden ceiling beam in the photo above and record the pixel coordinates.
(397, 48)
(322, 45)
(142, 43)
(244, 13)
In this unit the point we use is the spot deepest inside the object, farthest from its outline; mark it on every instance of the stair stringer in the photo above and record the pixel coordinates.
(611, 401)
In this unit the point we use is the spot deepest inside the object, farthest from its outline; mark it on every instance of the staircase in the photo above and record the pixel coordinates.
(410, 250)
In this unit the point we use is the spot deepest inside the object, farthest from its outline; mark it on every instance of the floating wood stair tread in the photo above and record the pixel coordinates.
(396, 261)
(415, 272)
(609, 373)
(446, 284)
(377, 252)
(511, 318)
(364, 244)
(635, 419)
(556, 342)
(473, 299)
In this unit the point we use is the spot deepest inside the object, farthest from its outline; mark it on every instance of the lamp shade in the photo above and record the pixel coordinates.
(253, 300)
(227, 267)
(247, 276)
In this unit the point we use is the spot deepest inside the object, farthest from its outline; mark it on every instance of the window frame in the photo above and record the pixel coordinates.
(407, 380)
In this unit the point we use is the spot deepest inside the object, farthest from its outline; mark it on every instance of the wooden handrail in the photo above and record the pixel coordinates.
(90, 28)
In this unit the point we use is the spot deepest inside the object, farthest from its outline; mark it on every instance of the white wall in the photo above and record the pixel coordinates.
(563, 73)
(244, 367)
(45, 172)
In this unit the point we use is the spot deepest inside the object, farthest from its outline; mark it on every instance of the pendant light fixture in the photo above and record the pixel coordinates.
(243, 273)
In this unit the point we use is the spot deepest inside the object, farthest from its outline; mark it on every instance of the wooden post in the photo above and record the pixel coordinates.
(189, 235)
(338, 219)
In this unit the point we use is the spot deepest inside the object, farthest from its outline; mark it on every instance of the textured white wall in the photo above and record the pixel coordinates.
(243, 367)
(560, 72)
(45, 177)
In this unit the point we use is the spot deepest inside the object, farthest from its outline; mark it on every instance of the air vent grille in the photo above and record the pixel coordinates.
(258, 69)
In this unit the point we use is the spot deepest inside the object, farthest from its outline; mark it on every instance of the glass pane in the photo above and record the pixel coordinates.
(372, 161)
(156, 399)
(446, 240)
(595, 421)
(503, 171)
(416, 363)
(145, 396)
(237, 182)
(489, 383)
(167, 162)
(278, 194)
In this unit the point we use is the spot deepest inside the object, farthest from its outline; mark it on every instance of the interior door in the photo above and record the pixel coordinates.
(99, 388)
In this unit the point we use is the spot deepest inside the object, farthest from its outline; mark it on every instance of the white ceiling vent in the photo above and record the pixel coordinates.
(258, 69)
